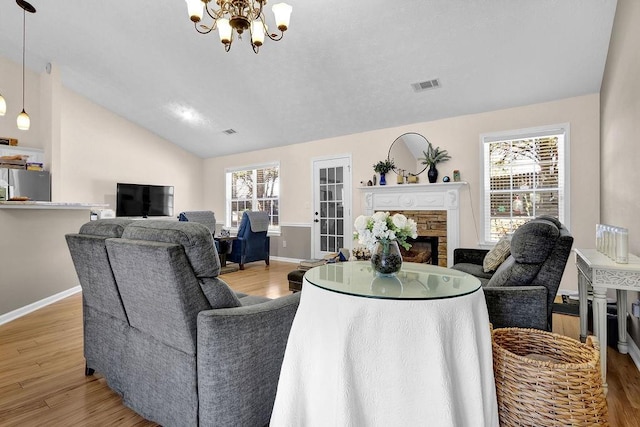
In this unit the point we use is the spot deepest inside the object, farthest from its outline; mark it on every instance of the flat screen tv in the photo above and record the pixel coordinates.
(144, 200)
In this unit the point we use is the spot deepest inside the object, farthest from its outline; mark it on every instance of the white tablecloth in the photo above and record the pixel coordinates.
(355, 361)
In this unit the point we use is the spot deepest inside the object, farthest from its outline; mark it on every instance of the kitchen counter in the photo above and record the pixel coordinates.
(50, 205)
(37, 268)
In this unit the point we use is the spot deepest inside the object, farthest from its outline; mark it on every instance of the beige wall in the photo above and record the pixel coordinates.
(99, 149)
(461, 137)
(620, 138)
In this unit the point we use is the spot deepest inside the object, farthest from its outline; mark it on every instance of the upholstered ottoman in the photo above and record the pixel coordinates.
(295, 280)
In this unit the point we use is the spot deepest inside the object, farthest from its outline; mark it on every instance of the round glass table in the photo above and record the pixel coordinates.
(412, 282)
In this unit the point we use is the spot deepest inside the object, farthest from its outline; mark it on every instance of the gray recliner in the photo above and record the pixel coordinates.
(520, 293)
(191, 352)
(103, 312)
(206, 218)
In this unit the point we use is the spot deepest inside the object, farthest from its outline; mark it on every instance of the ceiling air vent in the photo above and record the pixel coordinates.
(229, 131)
(426, 85)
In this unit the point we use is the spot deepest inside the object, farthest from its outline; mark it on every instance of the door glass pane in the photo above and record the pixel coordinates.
(323, 210)
(339, 179)
(332, 210)
(323, 226)
(323, 243)
(332, 175)
(323, 176)
(332, 192)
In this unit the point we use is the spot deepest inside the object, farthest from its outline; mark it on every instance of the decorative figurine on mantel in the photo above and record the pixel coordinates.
(383, 167)
(431, 158)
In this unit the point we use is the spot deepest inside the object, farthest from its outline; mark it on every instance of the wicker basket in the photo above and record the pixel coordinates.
(546, 379)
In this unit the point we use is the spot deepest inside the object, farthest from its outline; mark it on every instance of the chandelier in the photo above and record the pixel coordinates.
(238, 16)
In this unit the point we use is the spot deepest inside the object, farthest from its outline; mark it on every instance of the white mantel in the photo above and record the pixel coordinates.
(443, 196)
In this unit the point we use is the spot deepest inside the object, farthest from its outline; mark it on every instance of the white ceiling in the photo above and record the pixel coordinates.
(343, 67)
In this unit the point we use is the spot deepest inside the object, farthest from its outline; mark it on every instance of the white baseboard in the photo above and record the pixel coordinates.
(13, 315)
(634, 351)
(283, 259)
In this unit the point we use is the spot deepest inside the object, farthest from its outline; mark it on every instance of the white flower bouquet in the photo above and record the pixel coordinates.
(384, 228)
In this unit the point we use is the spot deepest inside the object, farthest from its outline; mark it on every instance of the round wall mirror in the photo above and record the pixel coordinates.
(405, 152)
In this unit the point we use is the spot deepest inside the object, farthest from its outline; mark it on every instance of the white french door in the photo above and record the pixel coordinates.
(332, 223)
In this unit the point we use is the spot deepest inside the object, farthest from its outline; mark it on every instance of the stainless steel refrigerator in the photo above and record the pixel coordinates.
(36, 185)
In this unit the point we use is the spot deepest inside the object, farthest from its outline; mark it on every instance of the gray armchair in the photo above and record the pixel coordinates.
(520, 293)
(189, 351)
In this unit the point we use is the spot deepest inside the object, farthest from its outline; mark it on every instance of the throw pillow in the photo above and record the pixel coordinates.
(497, 255)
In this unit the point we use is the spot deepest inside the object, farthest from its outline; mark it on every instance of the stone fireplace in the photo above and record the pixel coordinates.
(434, 207)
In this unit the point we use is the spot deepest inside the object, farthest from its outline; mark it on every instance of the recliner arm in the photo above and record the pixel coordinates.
(518, 307)
(469, 255)
(240, 352)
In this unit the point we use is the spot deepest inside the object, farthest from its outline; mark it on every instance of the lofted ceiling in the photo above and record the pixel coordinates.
(343, 67)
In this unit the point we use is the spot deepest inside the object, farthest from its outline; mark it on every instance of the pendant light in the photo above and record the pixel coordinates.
(23, 118)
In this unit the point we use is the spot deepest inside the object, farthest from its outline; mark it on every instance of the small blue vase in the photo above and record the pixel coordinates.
(383, 180)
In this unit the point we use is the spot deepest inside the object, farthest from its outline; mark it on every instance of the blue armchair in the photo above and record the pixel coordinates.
(252, 243)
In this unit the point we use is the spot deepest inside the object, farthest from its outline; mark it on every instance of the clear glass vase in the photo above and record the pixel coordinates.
(386, 258)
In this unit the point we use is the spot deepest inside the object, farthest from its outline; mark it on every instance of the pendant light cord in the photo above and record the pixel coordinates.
(24, 23)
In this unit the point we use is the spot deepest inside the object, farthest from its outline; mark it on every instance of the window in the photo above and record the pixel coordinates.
(525, 175)
(254, 189)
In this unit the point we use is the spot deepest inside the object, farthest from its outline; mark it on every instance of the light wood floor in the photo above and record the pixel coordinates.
(42, 380)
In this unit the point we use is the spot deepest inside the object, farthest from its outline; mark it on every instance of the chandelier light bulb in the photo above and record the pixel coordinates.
(257, 33)
(224, 29)
(195, 9)
(24, 122)
(3, 106)
(282, 13)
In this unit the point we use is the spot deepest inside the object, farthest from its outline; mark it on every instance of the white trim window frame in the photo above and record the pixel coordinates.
(524, 174)
(255, 188)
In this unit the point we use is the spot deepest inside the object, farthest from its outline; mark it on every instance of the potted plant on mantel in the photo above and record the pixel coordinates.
(383, 167)
(431, 158)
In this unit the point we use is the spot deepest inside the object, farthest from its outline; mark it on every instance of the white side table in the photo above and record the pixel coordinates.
(602, 273)
(410, 350)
